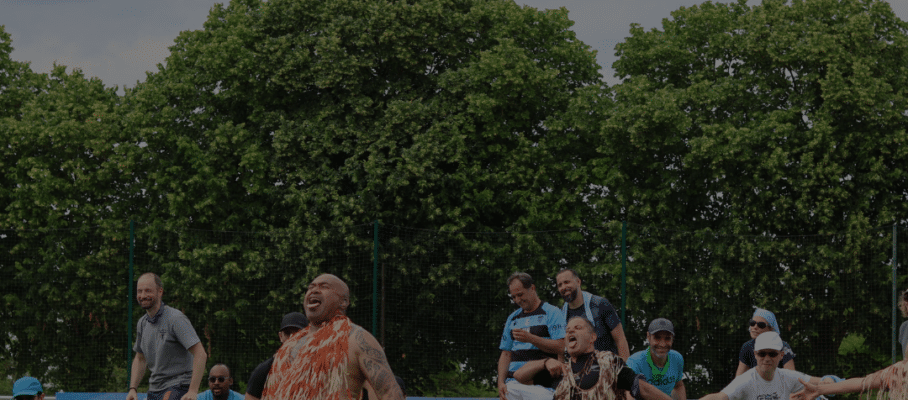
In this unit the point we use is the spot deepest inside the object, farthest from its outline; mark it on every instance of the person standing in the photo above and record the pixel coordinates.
(290, 324)
(219, 382)
(598, 310)
(332, 358)
(660, 365)
(532, 332)
(167, 344)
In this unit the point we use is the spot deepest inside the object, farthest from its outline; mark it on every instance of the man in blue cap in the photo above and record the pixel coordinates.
(28, 388)
(660, 365)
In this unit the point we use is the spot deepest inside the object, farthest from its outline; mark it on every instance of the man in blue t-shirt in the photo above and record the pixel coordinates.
(660, 365)
(598, 310)
(533, 332)
(219, 382)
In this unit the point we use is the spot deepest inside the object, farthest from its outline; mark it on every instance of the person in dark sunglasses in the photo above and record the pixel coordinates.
(219, 381)
(762, 321)
(767, 380)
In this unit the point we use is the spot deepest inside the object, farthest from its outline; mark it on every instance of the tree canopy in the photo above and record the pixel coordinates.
(268, 144)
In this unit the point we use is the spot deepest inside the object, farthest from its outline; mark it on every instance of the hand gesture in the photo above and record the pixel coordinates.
(810, 391)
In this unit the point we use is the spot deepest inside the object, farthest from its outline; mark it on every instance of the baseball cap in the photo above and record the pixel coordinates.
(27, 386)
(294, 319)
(659, 325)
(768, 340)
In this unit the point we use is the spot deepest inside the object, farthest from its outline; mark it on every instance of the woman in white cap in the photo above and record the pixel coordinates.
(762, 321)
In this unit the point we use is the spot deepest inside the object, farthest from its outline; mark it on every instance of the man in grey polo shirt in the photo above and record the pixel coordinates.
(167, 344)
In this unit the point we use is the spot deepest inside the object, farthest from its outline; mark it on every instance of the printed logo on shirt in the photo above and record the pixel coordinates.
(769, 396)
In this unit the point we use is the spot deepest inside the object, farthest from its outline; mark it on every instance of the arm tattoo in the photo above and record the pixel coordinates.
(376, 368)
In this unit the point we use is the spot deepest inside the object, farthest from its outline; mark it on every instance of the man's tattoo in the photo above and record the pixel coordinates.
(377, 369)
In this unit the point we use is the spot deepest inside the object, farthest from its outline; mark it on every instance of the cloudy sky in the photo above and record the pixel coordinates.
(118, 40)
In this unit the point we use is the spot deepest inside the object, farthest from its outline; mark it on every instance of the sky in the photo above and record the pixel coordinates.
(119, 40)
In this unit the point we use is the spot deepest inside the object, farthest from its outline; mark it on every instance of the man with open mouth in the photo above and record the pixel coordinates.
(332, 358)
(589, 374)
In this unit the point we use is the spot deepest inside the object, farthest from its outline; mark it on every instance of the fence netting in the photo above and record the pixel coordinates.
(437, 301)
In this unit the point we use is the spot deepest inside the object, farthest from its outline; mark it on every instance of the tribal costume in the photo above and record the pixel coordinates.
(600, 375)
(315, 368)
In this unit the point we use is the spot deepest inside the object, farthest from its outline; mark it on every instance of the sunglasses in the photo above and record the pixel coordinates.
(218, 379)
(764, 353)
(761, 324)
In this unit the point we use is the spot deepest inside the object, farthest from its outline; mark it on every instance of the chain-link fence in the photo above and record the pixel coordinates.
(437, 301)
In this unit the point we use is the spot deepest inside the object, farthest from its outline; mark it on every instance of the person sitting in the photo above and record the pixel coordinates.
(762, 321)
(766, 380)
(659, 364)
(219, 381)
(588, 374)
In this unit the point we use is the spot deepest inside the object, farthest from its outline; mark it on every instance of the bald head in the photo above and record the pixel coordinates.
(326, 297)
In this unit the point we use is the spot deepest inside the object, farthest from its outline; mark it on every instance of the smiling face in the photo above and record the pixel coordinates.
(525, 298)
(148, 293)
(579, 337)
(755, 330)
(767, 361)
(326, 297)
(568, 285)
(660, 343)
(219, 381)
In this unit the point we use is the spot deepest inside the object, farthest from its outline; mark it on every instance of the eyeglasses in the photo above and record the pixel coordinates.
(771, 354)
(218, 379)
(761, 324)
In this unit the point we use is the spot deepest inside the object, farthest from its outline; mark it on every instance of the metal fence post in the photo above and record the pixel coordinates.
(895, 304)
(623, 272)
(131, 273)
(375, 278)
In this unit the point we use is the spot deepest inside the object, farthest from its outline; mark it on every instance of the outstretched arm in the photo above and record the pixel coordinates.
(374, 366)
(854, 385)
(715, 396)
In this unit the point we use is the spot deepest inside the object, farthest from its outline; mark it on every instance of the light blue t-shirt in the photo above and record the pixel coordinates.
(671, 373)
(207, 395)
(547, 322)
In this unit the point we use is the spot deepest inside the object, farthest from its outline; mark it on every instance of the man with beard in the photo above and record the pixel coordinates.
(589, 374)
(598, 310)
(219, 382)
(331, 358)
(290, 324)
(659, 364)
(167, 344)
(766, 381)
(532, 332)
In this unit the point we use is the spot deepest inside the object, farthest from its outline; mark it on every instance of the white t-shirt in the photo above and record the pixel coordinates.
(751, 386)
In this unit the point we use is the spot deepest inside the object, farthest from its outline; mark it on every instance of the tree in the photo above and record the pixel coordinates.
(61, 235)
(304, 116)
(772, 120)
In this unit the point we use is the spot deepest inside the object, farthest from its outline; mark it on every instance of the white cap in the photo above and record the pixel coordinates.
(768, 341)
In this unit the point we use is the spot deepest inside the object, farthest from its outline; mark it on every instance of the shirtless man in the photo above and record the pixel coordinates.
(332, 357)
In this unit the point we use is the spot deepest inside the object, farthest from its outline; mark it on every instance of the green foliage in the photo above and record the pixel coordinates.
(455, 383)
(772, 120)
